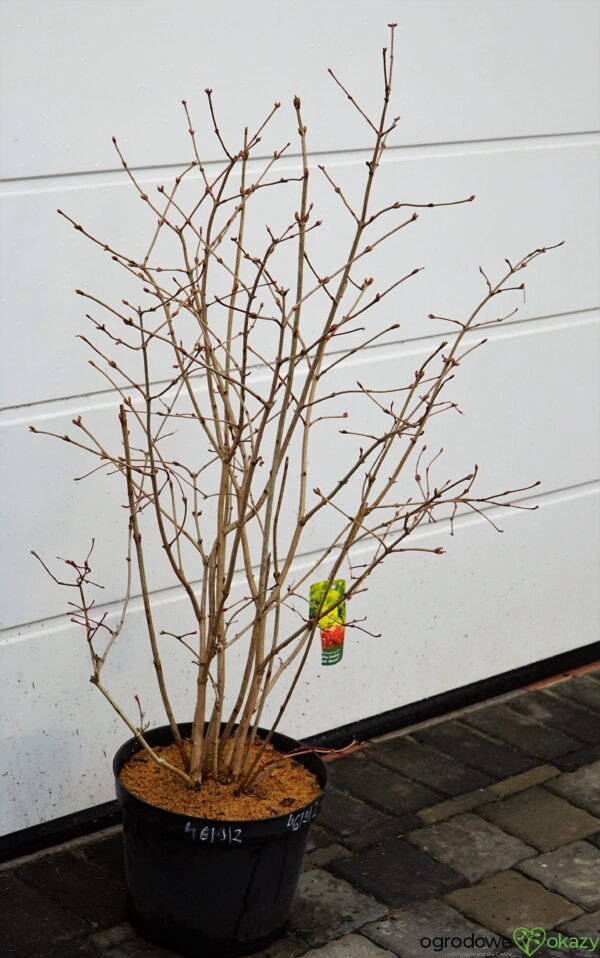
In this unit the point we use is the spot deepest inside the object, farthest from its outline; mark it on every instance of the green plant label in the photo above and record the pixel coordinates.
(331, 603)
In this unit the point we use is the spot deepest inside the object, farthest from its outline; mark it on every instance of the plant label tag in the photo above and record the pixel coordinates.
(332, 622)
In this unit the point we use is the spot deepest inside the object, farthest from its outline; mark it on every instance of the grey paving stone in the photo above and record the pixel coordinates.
(108, 854)
(580, 689)
(585, 925)
(317, 838)
(513, 952)
(470, 845)
(287, 947)
(574, 760)
(74, 948)
(30, 922)
(393, 828)
(558, 713)
(327, 907)
(594, 839)
(581, 787)
(108, 937)
(518, 783)
(552, 952)
(566, 952)
(139, 948)
(516, 729)
(397, 873)
(454, 806)
(79, 887)
(379, 786)
(440, 924)
(508, 900)
(573, 871)
(77, 948)
(472, 748)
(345, 816)
(350, 946)
(325, 855)
(423, 764)
(541, 819)
(547, 952)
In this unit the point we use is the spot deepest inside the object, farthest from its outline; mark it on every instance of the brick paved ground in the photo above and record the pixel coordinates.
(469, 826)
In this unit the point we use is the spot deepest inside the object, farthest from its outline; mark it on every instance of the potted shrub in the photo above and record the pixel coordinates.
(227, 366)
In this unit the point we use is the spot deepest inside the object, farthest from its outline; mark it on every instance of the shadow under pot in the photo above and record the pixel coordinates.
(212, 888)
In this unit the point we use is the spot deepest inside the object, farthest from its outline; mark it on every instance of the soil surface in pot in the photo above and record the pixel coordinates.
(284, 788)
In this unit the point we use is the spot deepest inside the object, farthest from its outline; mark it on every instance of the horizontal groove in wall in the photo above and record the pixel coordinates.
(553, 497)
(115, 175)
(531, 326)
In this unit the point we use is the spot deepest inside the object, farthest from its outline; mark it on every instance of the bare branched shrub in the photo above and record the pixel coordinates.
(215, 455)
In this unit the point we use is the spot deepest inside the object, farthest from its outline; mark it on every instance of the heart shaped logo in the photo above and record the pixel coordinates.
(529, 939)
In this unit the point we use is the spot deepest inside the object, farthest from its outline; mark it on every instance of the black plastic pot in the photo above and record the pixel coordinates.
(211, 889)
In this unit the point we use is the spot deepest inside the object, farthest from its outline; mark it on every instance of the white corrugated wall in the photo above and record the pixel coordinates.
(498, 98)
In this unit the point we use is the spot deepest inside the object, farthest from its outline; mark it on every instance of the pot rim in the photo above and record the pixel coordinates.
(132, 746)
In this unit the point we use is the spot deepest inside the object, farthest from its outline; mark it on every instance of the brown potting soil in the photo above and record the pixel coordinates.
(284, 788)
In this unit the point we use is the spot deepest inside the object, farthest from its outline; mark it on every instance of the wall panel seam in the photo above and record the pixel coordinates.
(553, 322)
(347, 155)
(550, 499)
